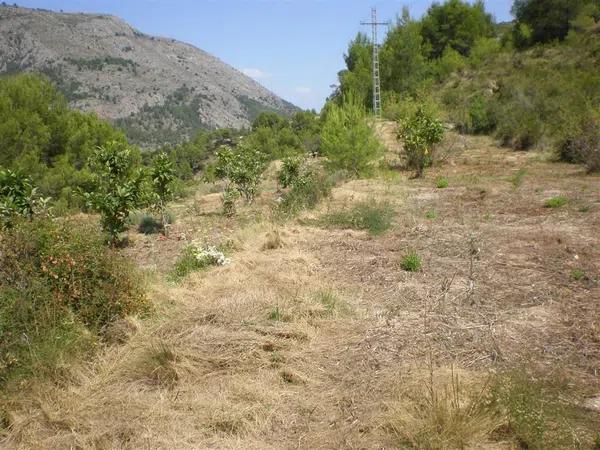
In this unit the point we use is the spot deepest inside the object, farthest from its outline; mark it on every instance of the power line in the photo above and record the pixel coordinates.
(376, 81)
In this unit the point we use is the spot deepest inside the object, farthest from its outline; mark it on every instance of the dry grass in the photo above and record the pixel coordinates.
(307, 344)
(442, 409)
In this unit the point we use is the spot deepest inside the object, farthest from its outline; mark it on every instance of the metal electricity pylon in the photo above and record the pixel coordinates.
(376, 81)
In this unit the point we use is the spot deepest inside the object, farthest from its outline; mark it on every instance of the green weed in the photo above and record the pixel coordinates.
(441, 183)
(556, 202)
(411, 262)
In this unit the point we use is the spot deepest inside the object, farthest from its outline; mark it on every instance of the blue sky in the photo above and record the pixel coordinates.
(293, 47)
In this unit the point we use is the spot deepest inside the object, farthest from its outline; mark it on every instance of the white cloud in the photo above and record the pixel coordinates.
(303, 90)
(255, 73)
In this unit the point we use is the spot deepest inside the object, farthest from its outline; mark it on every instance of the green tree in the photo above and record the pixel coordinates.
(419, 133)
(347, 138)
(544, 20)
(403, 60)
(357, 77)
(242, 168)
(42, 137)
(117, 186)
(455, 24)
(17, 197)
(162, 175)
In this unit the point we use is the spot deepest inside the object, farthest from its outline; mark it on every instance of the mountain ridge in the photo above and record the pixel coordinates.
(159, 90)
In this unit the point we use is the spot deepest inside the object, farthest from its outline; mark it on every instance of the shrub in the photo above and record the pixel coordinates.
(241, 168)
(307, 190)
(372, 215)
(149, 225)
(556, 202)
(117, 187)
(290, 171)
(228, 198)
(162, 175)
(197, 256)
(481, 119)
(582, 144)
(348, 140)
(518, 120)
(411, 262)
(420, 133)
(58, 282)
(17, 197)
(441, 183)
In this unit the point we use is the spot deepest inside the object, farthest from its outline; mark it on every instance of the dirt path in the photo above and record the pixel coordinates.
(312, 344)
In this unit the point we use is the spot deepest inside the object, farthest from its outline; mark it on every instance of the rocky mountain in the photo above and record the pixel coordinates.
(157, 89)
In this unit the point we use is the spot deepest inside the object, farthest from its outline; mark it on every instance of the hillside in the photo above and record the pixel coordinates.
(158, 90)
(314, 336)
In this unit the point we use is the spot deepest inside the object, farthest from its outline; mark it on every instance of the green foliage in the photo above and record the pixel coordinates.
(546, 20)
(242, 168)
(441, 183)
(17, 197)
(431, 214)
(197, 256)
(290, 171)
(411, 262)
(403, 61)
(537, 417)
(59, 286)
(117, 187)
(307, 188)
(162, 176)
(484, 50)
(270, 120)
(373, 216)
(356, 79)
(580, 143)
(149, 225)
(42, 137)
(348, 140)
(481, 118)
(578, 274)
(517, 179)
(455, 24)
(556, 202)
(419, 134)
(228, 198)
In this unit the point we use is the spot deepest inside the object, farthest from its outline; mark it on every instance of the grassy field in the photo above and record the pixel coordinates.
(322, 334)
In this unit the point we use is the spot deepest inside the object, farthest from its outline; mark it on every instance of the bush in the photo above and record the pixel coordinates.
(242, 169)
(481, 119)
(373, 216)
(149, 225)
(58, 283)
(162, 175)
(17, 197)
(411, 262)
(420, 132)
(348, 140)
(117, 187)
(290, 171)
(582, 144)
(307, 189)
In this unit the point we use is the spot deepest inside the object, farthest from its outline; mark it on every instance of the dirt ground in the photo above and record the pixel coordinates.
(310, 345)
